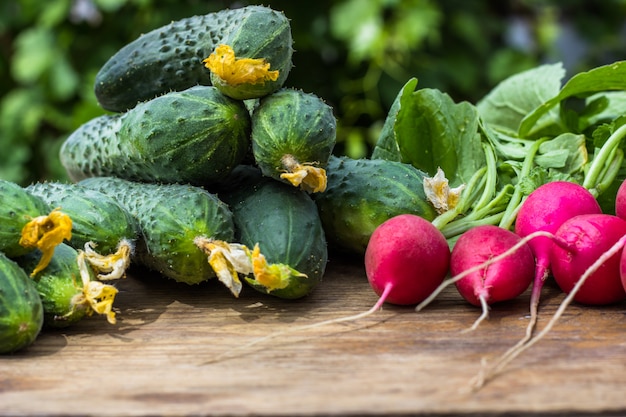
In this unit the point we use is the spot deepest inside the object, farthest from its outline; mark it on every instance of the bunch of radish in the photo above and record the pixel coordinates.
(560, 230)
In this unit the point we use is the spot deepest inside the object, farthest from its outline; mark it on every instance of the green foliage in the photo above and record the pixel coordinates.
(356, 54)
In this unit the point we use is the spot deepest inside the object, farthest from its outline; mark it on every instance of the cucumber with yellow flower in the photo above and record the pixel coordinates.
(246, 52)
(293, 135)
(69, 288)
(281, 227)
(28, 223)
(100, 225)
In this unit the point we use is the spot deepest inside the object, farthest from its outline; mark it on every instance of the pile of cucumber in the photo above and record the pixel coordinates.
(196, 177)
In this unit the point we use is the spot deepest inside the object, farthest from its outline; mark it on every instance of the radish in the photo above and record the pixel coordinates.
(489, 264)
(586, 261)
(498, 281)
(406, 258)
(546, 209)
(586, 238)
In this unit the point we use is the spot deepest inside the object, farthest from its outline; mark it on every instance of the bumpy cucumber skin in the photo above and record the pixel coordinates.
(57, 286)
(196, 136)
(284, 221)
(17, 207)
(170, 217)
(292, 122)
(363, 193)
(21, 309)
(96, 217)
(169, 58)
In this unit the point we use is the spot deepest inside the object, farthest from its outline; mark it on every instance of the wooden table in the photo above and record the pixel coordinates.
(157, 359)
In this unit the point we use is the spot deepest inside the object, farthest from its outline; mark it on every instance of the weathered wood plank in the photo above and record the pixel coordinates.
(157, 359)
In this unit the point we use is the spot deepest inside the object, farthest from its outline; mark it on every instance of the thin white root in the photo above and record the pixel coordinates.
(482, 317)
(485, 375)
(274, 335)
(475, 268)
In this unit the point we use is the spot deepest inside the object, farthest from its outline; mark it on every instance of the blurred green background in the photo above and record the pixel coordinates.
(356, 54)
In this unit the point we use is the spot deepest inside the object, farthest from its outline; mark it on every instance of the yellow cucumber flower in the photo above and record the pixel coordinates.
(306, 176)
(439, 193)
(271, 276)
(95, 294)
(112, 266)
(235, 71)
(228, 260)
(45, 233)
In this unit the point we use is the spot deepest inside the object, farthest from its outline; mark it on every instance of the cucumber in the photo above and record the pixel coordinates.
(171, 217)
(68, 292)
(170, 58)
(21, 308)
(96, 217)
(293, 135)
(282, 224)
(100, 225)
(195, 136)
(17, 208)
(363, 193)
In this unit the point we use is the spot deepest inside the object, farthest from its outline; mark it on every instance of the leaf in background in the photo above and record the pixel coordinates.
(510, 101)
(34, 54)
(605, 78)
(433, 131)
(387, 146)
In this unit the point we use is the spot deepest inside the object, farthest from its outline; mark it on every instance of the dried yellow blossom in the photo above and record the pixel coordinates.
(271, 276)
(112, 266)
(45, 233)
(439, 193)
(235, 71)
(228, 260)
(95, 294)
(306, 176)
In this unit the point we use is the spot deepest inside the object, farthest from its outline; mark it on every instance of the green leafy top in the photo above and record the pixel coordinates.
(527, 131)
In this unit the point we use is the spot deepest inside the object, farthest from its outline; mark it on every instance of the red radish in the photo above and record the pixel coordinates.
(620, 201)
(585, 261)
(498, 281)
(587, 237)
(546, 209)
(406, 258)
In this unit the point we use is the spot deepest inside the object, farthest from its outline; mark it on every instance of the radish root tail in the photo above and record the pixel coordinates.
(487, 373)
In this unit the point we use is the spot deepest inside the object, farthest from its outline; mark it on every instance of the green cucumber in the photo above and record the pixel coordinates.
(170, 58)
(17, 208)
(293, 135)
(363, 193)
(62, 288)
(21, 309)
(171, 217)
(96, 217)
(195, 136)
(283, 221)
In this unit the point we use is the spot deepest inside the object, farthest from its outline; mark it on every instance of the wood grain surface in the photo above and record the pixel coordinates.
(160, 358)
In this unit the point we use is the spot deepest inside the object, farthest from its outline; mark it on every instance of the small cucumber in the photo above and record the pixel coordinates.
(96, 217)
(170, 58)
(195, 136)
(363, 193)
(68, 292)
(293, 135)
(171, 217)
(21, 309)
(17, 208)
(283, 221)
